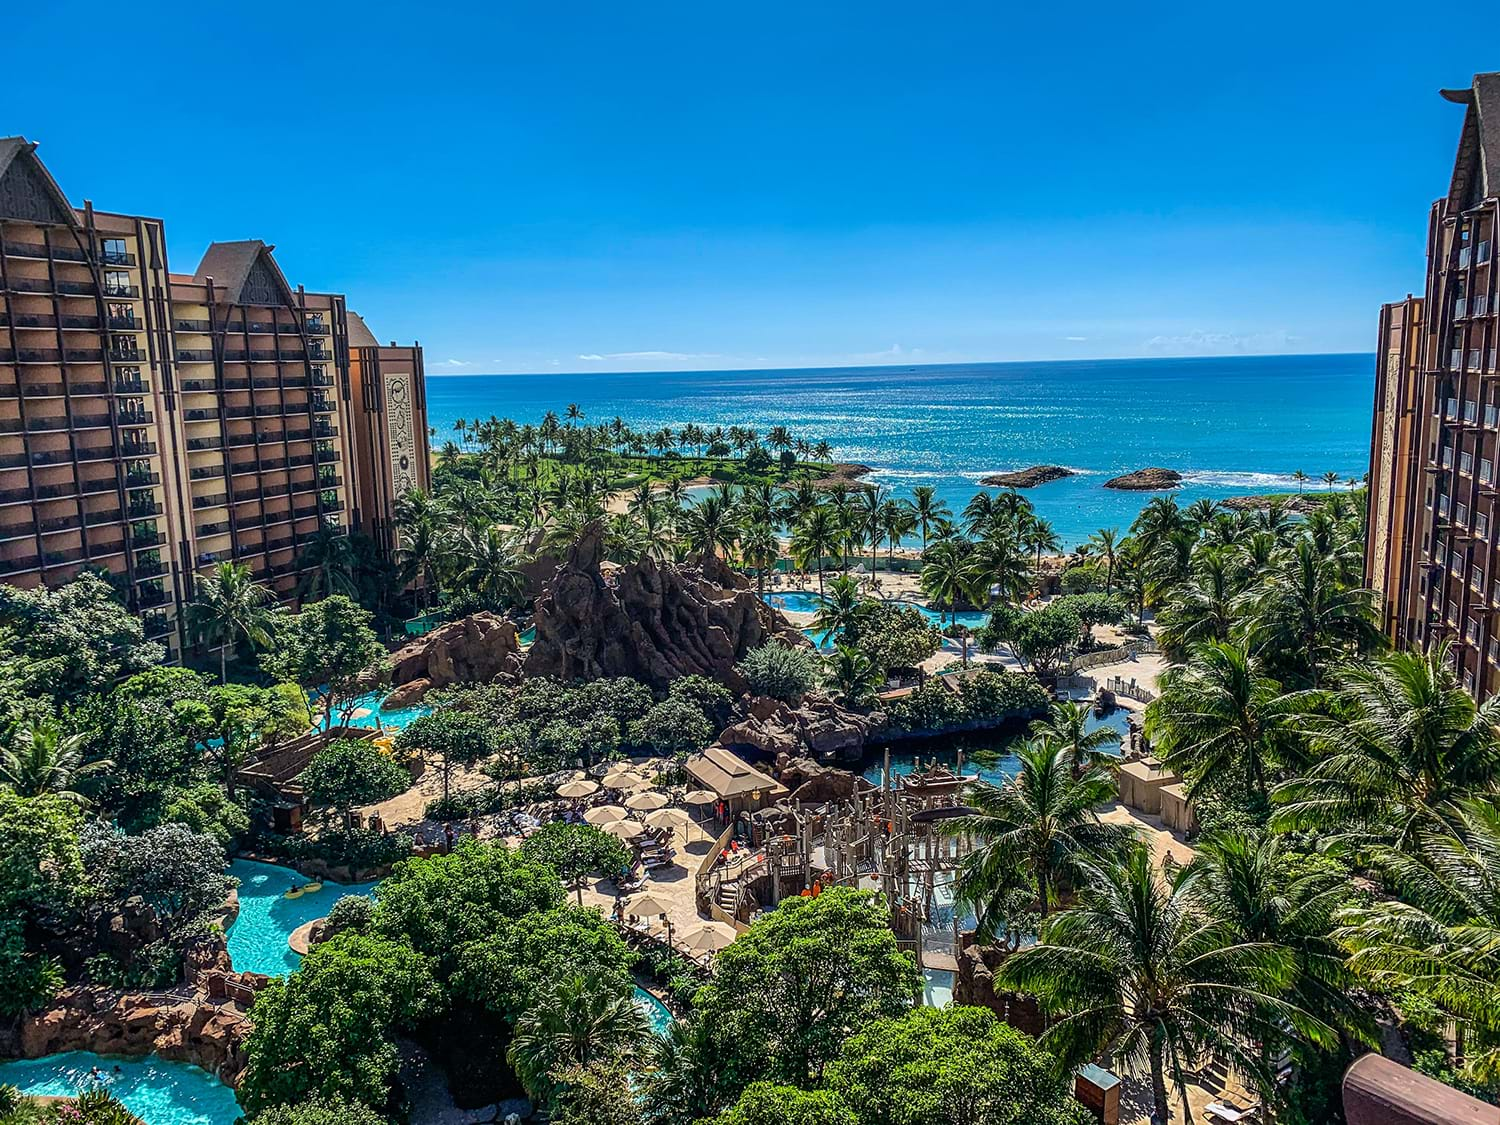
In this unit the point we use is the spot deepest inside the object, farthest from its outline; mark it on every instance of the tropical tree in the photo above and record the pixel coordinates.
(949, 576)
(815, 538)
(928, 510)
(485, 560)
(760, 549)
(1400, 747)
(41, 758)
(1042, 821)
(710, 525)
(1039, 536)
(574, 1023)
(329, 565)
(1067, 725)
(230, 606)
(843, 612)
(1221, 715)
(1137, 970)
(1104, 543)
(854, 675)
(1306, 615)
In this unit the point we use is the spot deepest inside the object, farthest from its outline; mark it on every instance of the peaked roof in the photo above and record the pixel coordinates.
(27, 190)
(246, 272)
(1476, 169)
(360, 335)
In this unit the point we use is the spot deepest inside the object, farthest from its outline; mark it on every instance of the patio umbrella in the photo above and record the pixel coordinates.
(701, 797)
(572, 790)
(648, 906)
(625, 829)
(605, 814)
(706, 937)
(668, 818)
(626, 781)
(645, 802)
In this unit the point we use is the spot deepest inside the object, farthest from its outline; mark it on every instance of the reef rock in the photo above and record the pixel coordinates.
(817, 727)
(474, 649)
(1027, 478)
(974, 986)
(815, 784)
(652, 621)
(1146, 480)
(108, 1022)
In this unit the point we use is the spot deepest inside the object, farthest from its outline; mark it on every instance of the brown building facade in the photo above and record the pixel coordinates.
(155, 423)
(1434, 542)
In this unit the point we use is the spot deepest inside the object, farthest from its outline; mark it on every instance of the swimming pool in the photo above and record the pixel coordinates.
(794, 601)
(155, 1090)
(367, 712)
(656, 1012)
(973, 618)
(257, 939)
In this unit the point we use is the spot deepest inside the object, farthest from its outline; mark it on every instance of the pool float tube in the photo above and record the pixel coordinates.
(293, 892)
(312, 888)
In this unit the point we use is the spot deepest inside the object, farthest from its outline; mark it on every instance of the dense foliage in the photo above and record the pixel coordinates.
(980, 699)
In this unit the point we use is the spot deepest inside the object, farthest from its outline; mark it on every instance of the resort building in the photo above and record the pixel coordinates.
(1433, 553)
(154, 423)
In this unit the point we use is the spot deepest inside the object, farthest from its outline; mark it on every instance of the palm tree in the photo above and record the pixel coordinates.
(1306, 614)
(1330, 480)
(854, 675)
(419, 520)
(229, 606)
(1137, 970)
(1301, 478)
(1042, 819)
(843, 610)
(896, 519)
(687, 1073)
(487, 562)
(1218, 714)
(1039, 536)
(1401, 748)
(42, 759)
(1067, 725)
(928, 509)
(1439, 938)
(710, 524)
(948, 576)
(760, 548)
(575, 1022)
(868, 504)
(1002, 565)
(1104, 543)
(329, 565)
(815, 538)
(1201, 608)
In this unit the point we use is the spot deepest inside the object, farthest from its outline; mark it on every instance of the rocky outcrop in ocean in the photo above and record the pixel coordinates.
(652, 621)
(1146, 480)
(1027, 478)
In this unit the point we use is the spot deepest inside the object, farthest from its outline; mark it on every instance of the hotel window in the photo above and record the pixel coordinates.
(1471, 410)
(1466, 463)
(1461, 514)
(1494, 651)
(1452, 614)
(1443, 505)
(1456, 567)
(1471, 631)
(1491, 415)
(116, 283)
(1482, 525)
(1468, 680)
(1440, 554)
(1476, 580)
(1447, 457)
(114, 251)
(1450, 410)
(1486, 470)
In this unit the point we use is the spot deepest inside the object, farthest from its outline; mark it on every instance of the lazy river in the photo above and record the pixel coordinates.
(155, 1090)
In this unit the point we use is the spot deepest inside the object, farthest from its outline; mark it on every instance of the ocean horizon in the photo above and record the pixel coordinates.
(1232, 425)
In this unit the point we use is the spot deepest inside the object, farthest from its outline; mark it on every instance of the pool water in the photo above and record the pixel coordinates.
(794, 601)
(973, 618)
(257, 939)
(155, 1090)
(992, 758)
(656, 1012)
(526, 637)
(367, 712)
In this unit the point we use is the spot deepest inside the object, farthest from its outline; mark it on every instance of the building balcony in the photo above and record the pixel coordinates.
(200, 443)
(196, 355)
(138, 448)
(149, 568)
(126, 323)
(126, 291)
(206, 472)
(126, 355)
(116, 258)
(136, 478)
(19, 565)
(144, 537)
(156, 624)
(184, 324)
(146, 511)
(218, 500)
(214, 528)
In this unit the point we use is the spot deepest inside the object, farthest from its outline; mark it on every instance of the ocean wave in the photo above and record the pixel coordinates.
(1272, 482)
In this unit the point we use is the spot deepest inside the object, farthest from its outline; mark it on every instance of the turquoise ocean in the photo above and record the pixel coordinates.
(1231, 425)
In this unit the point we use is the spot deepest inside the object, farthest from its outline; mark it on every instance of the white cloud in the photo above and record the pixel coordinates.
(456, 363)
(671, 357)
(1075, 339)
(1199, 342)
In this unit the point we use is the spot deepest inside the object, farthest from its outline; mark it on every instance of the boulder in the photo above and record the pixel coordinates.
(817, 727)
(1027, 478)
(1146, 480)
(815, 784)
(475, 649)
(974, 986)
(648, 620)
(110, 1022)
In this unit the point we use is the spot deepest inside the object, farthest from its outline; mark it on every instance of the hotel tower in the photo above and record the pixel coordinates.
(1433, 553)
(154, 423)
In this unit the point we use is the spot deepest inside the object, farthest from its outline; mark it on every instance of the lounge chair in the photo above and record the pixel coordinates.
(1214, 1111)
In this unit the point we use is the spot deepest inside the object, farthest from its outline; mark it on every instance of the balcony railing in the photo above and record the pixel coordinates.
(196, 355)
(121, 290)
(183, 324)
(213, 528)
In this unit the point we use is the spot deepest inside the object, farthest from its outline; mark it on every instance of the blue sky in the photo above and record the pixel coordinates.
(606, 186)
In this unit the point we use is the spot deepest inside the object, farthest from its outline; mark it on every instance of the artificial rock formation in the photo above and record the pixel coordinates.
(1146, 480)
(1027, 478)
(107, 1022)
(814, 784)
(974, 986)
(474, 649)
(652, 621)
(817, 727)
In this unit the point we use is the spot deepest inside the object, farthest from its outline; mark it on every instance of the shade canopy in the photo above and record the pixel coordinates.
(605, 814)
(572, 790)
(701, 797)
(645, 802)
(648, 905)
(668, 818)
(706, 937)
(625, 829)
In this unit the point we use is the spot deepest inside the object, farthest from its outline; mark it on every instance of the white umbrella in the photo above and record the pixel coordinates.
(575, 789)
(645, 802)
(648, 906)
(701, 797)
(707, 937)
(668, 818)
(625, 829)
(627, 781)
(605, 814)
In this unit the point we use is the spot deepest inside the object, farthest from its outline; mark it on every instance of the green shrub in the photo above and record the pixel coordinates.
(780, 671)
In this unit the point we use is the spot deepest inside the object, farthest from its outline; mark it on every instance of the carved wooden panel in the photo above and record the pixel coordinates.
(398, 415)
